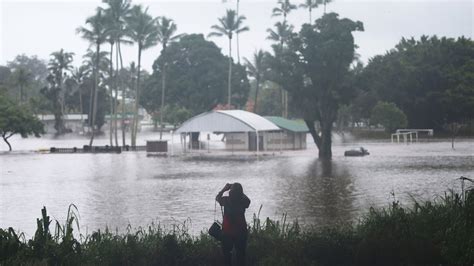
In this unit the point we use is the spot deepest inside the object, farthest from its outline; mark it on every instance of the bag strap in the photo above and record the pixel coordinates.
(215, 210)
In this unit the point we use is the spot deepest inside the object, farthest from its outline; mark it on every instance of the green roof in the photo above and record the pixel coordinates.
(291, 125)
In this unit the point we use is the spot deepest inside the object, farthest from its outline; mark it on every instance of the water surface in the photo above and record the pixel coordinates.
(115, 190)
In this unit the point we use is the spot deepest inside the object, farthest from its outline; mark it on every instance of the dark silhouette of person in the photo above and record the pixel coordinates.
(234, 225)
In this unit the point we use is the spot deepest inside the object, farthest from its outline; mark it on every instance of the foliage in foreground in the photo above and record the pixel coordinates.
(430, 233)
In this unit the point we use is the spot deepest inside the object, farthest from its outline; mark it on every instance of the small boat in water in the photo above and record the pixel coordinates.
(359, 152)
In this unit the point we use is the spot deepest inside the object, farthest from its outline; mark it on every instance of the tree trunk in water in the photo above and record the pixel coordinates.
(116, 97)
(325, 151)
(323, 142)
(5, 138)
(229, 89)
(124, 142)
(96, 89)
(59, 122)
(137, 94)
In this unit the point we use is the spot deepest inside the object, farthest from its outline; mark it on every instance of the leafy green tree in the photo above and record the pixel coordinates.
(37, 67)
(310, 5)
(256, 69)
(176, 115)
(269, 101)
(316, 68)
(22, 79)
(228, 25)
(166, 34)
(429, 79)
(96, 35)
(195, 82)
(15, 119)
(389, 116)
(142, 29)
(5, 73)
(36, 71)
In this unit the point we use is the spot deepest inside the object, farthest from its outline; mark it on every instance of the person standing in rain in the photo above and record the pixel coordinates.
(234, 225)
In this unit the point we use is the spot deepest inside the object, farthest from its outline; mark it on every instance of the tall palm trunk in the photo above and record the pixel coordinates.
(257, 86)
(229, 89)
(237, 35)
(116, 96)
(124, 142)
(96, 89)
(163, 87)
(112, 99)
(137, 94)
(81, 108)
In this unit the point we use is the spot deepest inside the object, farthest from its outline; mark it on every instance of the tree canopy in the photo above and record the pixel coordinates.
(195, 72)
(15, 119)
(315, 69)
(430, 80)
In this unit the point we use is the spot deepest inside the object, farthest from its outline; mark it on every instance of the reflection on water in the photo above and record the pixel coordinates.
(130, 188)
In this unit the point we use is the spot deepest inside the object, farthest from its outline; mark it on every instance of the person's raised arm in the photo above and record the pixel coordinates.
(219, 195)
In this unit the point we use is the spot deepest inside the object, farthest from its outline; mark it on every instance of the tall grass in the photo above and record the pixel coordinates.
(439, 232)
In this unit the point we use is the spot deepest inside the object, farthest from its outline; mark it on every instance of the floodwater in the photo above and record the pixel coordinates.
(115, 190)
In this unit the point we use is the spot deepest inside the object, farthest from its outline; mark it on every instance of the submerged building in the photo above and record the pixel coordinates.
(246, 131)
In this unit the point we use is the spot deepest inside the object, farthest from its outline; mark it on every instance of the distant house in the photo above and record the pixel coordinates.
(75, 122)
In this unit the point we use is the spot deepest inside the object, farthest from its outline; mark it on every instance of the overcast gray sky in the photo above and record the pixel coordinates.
(38, 27)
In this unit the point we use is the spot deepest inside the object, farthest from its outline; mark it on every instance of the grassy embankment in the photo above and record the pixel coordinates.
(431, 233)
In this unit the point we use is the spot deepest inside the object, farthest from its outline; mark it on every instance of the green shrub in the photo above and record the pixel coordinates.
(429, 233)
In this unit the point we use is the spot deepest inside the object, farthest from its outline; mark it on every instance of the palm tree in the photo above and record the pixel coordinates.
(237, 34)
(256, 70)
(166, 30)
(324, 2)
(310, 4)
(282, 33)
(79, 75)
(117, 11)
(89, 61)
(97, 35)
(59, 64)
(142, 30)
(228, 25)
(284, 9)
